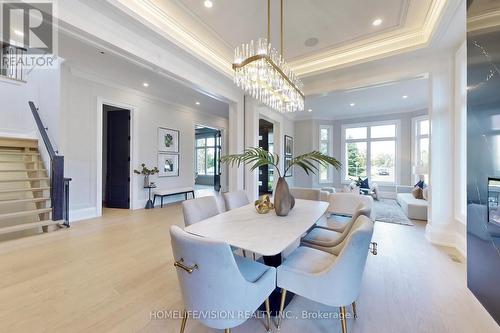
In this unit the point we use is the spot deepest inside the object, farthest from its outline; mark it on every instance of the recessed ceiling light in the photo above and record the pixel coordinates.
(208, 4)
(145, 84)
(310, 42)
(310, 110)
(352, 104)
(19, 33)
(197, 103)
(377, 22)
(102, 52)
(405, 96)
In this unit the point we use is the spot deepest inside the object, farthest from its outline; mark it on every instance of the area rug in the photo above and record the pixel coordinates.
(387, 210)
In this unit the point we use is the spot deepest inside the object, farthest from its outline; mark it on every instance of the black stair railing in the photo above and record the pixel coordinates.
(59, 189)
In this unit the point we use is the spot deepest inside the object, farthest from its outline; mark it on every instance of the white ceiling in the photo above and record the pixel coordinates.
(374, 100)
(333, 23)
(124, 73)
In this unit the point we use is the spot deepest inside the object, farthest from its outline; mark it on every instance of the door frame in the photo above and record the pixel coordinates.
(99, 114)
(224, 180)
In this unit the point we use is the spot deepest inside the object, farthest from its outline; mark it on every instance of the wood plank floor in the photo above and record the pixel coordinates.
(111, 273)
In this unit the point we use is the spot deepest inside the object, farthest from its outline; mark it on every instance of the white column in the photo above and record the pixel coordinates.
(236, 142)
(440, 228)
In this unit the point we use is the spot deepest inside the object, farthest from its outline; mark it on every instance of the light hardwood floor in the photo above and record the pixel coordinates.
(109, 274)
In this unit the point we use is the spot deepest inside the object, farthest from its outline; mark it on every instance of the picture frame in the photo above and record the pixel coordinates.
(168, 164)
(288, 160)
(168, 140)
(288, 145)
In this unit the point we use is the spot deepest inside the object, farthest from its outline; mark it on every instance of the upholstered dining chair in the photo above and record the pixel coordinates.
(326, 278)
(306, 193)
(332, 240)
(213, 281)
(235, 199)
(196, 210)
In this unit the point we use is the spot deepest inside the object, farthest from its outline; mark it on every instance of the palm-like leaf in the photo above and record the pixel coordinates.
(305, 161)
(258, 157)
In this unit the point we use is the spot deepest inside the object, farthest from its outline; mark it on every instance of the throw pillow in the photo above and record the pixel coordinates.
(420, 184)
(364, 184)
(425, 193)
(417, 193)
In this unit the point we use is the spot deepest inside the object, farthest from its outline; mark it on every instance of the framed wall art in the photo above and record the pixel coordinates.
(288, 145)
(168, 140)
(168, 165)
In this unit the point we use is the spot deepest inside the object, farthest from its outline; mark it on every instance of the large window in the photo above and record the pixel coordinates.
(205, 155)
(421, 132)
(370, 151)
(325, 147)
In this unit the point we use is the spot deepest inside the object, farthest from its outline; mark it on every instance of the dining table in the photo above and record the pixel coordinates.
(267, 235)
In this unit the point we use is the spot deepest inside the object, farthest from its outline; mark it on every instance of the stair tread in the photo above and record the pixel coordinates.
(23, 179)
(9, 202)
(22, 170)
(32, 189)
(25, 226)
(20, 161)
(24, 213)
(18, 153)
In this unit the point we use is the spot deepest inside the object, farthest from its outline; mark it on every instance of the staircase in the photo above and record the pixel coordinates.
(25, 205)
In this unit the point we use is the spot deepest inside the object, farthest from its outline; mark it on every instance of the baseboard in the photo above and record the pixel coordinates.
(82, 214)
(461, 244)
(439, 236)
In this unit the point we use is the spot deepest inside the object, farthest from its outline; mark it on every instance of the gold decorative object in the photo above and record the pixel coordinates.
(264, 205)
(261, 71)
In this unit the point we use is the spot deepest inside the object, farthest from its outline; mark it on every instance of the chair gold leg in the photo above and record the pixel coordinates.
(282, 307)
(227, 330)
(268, 315)
(354, 310)
(343, 319)
(184, 321)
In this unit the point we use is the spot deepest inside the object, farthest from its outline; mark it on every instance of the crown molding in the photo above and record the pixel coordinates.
(483, 21)
(373, 48)
(151, 15)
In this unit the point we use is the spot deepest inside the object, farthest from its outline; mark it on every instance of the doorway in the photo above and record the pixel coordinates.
(115, 157)
(266, 142)
(208, 146)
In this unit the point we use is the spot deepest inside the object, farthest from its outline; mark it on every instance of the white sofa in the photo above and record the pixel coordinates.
(415, 209)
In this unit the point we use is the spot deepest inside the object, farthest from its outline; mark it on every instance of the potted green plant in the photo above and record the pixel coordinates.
(146, 172)
(257, 157)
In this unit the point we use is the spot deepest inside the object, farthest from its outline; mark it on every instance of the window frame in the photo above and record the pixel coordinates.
(416, 137)
(329, 141)
(205, 148)
(396, 138)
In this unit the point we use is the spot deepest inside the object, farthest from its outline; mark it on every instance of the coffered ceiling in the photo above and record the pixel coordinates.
(320, 35)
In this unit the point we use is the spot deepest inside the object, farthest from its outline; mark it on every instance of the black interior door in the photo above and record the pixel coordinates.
(118, 160)
(218, 146)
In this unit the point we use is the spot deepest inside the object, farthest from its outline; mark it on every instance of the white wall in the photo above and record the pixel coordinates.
(15, 115)
(80, 135)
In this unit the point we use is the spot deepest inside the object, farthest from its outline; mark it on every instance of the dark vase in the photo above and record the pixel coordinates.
(283, 200)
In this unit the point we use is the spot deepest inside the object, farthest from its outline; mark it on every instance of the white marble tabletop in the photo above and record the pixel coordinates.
(266, 234)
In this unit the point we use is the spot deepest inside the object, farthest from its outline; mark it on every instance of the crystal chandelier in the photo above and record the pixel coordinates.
(261, 71)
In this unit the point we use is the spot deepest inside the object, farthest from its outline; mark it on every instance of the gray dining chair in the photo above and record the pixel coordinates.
(333, 280)
(235, 199)
(212, 280)
(196, 210)
(333, 240)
